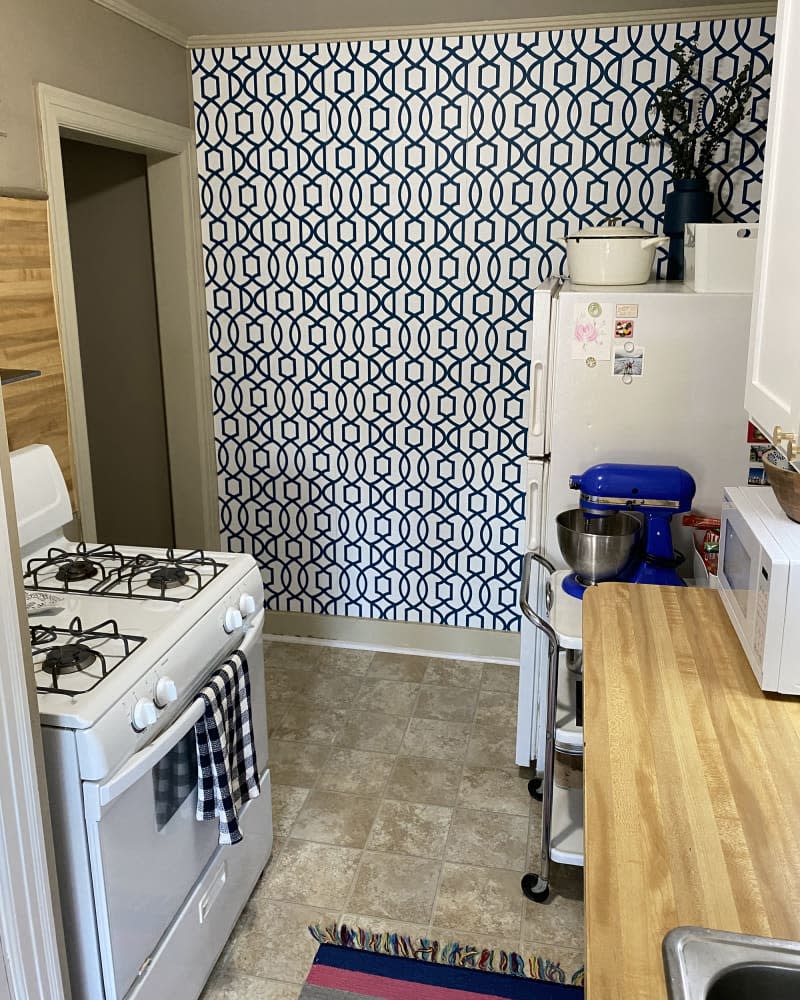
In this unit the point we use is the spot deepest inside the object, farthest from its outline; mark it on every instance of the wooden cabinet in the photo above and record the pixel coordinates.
(772, 395)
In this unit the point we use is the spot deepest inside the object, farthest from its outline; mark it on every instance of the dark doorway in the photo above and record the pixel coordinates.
(112, 263)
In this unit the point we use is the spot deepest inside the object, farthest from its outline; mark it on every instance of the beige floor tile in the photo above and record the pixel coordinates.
(493, 747)
(336, 818)
(410, 828)
(485, 900)
(324, 690)
(569, 959)
(298, 764)
(559, 920)
(336, 661)
(454, 673)
(441, 740)
(239, 986)
(493, 840)
(286, 805)
(389, 697)
(286, 681)
(495, 790)
(360, 772)
(310, 724)
(398, 667)
(448, 704)
(372, 731)
(290, 655)
(423, 779)
(313, 874)
(395, 885)
(497, 709)
(500, 677)
(274, 942)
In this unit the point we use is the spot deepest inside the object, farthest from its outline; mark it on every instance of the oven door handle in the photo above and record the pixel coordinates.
(97, 797)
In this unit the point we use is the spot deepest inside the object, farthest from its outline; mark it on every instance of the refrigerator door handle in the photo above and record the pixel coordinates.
(536, 425)
(524, 590)
(532, 513)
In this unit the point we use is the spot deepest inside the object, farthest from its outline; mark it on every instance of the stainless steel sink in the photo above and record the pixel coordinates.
(702, 964)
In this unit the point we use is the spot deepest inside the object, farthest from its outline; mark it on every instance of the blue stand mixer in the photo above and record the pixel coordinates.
(621, 531)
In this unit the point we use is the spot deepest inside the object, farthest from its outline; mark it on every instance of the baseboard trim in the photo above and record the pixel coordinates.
(381, 636)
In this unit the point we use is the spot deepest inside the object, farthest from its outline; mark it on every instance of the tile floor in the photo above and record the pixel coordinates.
(397, 806)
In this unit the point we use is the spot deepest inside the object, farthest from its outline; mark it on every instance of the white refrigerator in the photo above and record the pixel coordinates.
(643, 373)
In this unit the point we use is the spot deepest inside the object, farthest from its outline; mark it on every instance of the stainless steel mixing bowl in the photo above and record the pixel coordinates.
(597, 548)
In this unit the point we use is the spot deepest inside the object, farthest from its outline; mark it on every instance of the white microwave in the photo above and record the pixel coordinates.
(759, 583)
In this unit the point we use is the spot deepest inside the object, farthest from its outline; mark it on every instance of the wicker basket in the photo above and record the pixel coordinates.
(784, 480)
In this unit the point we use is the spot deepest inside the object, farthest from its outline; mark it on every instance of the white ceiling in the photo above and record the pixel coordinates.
(195, 20)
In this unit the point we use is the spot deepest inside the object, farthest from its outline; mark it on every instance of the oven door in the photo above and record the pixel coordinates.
(146, 846)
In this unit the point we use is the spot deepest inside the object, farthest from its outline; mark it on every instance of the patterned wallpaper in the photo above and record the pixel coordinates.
(375, 217)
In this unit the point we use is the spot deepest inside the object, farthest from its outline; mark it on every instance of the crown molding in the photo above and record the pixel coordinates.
(145, 20)
(663, 15)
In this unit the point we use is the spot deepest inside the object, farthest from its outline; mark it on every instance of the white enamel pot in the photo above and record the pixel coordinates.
(612, 255)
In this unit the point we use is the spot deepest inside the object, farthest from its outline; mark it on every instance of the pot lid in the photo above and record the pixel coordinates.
(611, 231)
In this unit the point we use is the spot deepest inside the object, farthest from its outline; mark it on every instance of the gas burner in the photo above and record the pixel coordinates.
(68, 659)
(168, 577)
(74, 570)
(87, 654)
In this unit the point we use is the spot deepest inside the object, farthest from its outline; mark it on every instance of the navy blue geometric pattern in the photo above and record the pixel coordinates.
(375, 218)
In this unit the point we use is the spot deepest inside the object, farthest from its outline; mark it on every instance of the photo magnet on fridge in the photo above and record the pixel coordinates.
(623, 329)
(627, 311)
(629, 363)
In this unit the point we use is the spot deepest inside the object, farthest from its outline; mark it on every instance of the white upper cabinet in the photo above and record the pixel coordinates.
(772, 395)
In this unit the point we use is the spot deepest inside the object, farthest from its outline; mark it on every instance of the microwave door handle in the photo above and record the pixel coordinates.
(97, 797)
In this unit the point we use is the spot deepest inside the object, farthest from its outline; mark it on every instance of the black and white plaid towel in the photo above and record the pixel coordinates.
(227, 771)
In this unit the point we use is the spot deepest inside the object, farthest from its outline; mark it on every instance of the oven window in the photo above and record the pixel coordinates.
(175, 778)
(736, 567)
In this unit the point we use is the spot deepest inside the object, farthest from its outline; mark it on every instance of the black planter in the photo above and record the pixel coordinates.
(691, 201)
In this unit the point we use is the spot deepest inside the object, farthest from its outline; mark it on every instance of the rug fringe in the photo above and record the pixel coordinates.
(450, 953)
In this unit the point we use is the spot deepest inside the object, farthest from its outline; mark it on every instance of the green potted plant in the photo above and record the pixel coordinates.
(693, 123)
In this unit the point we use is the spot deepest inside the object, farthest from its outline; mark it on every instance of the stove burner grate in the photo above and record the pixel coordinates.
(103, 569)
(91, 653)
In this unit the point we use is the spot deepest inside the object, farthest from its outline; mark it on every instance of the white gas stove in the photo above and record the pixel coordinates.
(123, 639)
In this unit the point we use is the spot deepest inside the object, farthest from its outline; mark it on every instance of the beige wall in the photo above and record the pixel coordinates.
(79, 46)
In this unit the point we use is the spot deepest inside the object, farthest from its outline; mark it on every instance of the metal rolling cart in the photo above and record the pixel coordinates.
(562, 808)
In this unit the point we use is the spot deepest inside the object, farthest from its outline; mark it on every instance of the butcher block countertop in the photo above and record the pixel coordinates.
(691, 785)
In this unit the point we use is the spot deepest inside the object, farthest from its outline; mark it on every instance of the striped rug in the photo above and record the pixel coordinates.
(350, 974)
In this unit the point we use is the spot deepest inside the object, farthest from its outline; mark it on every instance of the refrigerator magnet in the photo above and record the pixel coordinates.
(628, 364)
(591, 335)
(623, 329)
(627, 310)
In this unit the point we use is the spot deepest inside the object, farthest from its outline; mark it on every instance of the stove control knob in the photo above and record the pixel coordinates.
(233, 620)
(247, 605)
(144, 715)
(166, 692)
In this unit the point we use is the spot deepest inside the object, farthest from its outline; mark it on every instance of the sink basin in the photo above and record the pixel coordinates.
(703, 964)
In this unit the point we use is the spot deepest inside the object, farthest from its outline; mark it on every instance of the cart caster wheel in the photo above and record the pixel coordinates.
(535, 789)
(535, 888)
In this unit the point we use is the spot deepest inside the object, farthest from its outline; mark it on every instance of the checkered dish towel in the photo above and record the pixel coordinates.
(227, 771)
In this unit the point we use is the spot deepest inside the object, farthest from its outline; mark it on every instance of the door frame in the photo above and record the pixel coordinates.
(31, 935)
(180, 291)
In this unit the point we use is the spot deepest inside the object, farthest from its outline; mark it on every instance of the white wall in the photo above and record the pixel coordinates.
(79, 46)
